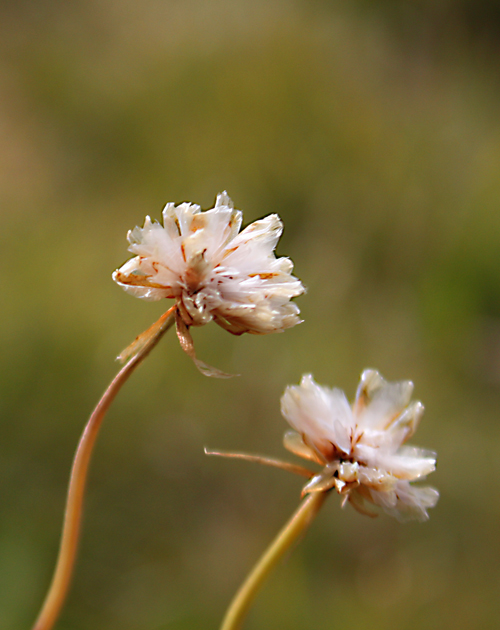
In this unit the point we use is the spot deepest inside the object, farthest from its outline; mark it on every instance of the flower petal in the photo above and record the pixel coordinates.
(323, 415)
(252, 248)
(407, 463)
(378, 403)
(135, 281)
(412, 502)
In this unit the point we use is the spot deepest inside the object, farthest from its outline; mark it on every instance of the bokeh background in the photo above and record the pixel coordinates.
(373, 129)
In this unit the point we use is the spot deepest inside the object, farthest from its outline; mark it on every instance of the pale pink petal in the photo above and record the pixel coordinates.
(323, 415)
(412, 502)
(383, 403)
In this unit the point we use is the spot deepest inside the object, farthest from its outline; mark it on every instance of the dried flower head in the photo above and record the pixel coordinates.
(361, 446)
(213, 271)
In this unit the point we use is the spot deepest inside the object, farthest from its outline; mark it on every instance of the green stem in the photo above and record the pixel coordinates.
(58, 589)
(299, 522)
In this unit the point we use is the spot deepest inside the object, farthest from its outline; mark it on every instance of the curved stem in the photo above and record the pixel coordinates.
(73, 513)
(299, 522)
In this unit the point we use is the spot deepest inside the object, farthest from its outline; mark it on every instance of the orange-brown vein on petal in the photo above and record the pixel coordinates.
(229, 251)
(198, 223)
(138, 281)
(264, 275)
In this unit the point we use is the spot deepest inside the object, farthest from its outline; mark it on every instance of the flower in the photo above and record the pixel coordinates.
(213, 271)
(361, 446)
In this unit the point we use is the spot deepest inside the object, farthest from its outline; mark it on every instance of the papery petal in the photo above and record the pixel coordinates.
(412, 502)
(135, 281)
(411, 463)
(260, 318)
(267, 230)
(251, 248)
(153, 244)
(405, 425)
(223, 200)
(183, 214)
(149, 295)
(323, 415)
(170, 221)
(378, 403)
(369, 382)
(407, 463)
(211, 231)
(386, 499)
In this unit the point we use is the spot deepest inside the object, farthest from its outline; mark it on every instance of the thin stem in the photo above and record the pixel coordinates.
(73, 513)
(298, 524)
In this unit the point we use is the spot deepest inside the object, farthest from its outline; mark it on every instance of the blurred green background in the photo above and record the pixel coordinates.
(373, 129)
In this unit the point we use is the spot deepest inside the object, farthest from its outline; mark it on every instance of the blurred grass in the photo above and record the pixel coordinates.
(373, 131)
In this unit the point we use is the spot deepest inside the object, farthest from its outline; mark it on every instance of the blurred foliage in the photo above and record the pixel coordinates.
(373, 130)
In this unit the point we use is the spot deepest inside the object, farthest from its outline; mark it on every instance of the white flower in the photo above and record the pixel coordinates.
(212, 271)
(361, 446)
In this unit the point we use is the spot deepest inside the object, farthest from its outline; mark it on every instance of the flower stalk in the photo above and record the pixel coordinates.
(295, 527)
(59, 586)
